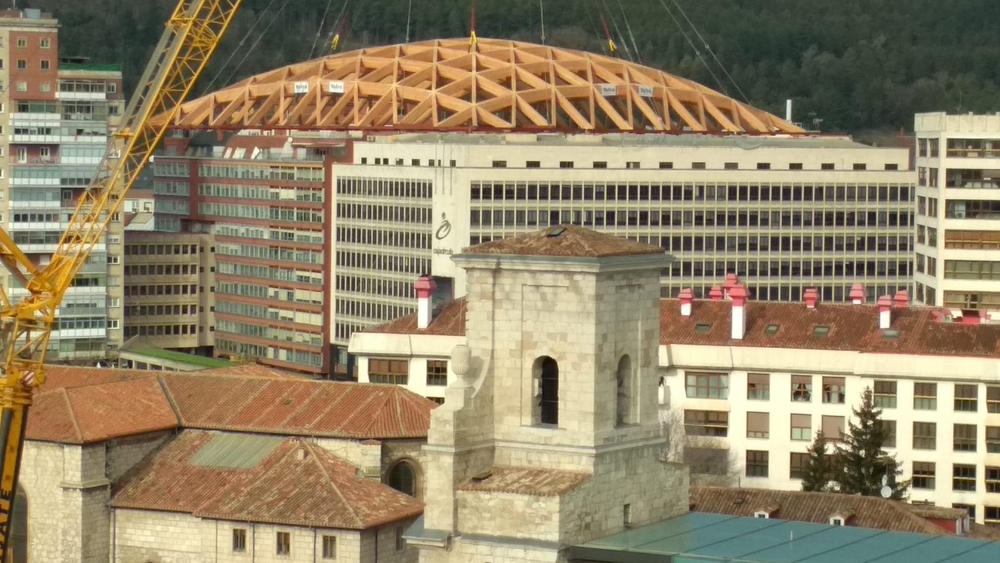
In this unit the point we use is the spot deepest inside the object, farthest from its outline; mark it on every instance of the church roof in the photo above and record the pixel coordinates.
(260, 479)
(88, 405)
(565, 241)
(530, 481)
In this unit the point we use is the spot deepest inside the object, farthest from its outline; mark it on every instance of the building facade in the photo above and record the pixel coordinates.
(168, 290)
(748, 383)
(783, 213)
(59, 113)
(958, 213)
(264, 200)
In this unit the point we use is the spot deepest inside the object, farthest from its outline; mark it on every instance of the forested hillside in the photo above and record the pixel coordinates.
(850, 65)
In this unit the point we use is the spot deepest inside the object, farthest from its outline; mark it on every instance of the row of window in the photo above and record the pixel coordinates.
(283, 543)
(688, 192)
(270, 313)
(644, 217)
(971, 270)
(397, 372)
(270, 252)
(226, 343)
(255, 330)
(266, 292)
(381, 212)
(163, 269)
(759, 291)
(784, 269)
(365, 309)
(165, 289)
(259, 172)
(271, 193)
(160, 310)
(263, 213)
(275, 273)
(164, 249)
(635, 165)
(164, 330)
(384, 188)
(710, 385)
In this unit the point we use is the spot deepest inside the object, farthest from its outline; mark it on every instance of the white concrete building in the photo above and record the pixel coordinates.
(958, 213)
(762, 387)
(232, 464)
(783, 213)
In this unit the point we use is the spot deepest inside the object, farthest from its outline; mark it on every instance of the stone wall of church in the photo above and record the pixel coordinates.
(509, 515)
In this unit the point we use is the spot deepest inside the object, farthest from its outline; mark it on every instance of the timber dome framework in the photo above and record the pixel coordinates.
(494, 86)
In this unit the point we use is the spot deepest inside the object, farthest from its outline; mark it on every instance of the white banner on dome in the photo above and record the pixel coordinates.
(609, 90)
(335, 87)
(645, 91)
(301, 87)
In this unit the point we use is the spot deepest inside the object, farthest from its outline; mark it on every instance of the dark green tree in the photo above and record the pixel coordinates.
(862, 461)
(816, 473)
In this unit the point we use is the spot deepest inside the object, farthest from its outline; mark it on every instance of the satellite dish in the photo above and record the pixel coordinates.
(886, 492)
(885, 480)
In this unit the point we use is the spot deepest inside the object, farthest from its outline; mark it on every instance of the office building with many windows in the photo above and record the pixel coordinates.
(958, 213)
(55, 117)
(262, 203)
(783, 213)
(753, 381)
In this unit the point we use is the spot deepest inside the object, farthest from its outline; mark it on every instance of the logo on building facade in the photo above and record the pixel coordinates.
(444, 229)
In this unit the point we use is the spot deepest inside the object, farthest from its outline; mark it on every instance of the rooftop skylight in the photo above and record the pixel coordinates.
(771, 330)
(702, 328)
(821, 331)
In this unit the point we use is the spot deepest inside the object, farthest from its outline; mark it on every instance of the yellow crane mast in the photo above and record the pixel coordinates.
(192, 34)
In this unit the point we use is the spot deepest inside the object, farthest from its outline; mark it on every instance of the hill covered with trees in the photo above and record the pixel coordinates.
(850, 65)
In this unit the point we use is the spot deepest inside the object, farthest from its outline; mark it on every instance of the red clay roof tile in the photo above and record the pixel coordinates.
(296, 483)
(88, 405)
(565, 241)
(526, 481)
(868, 512)
(852, 328)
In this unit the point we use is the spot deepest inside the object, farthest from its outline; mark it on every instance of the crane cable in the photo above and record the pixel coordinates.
(409, 10)
(696, 51)
(319, 29)
(541, 10)
(237, 49)
(618, 31)
(711, 52)
(628, 28)
(257, 42)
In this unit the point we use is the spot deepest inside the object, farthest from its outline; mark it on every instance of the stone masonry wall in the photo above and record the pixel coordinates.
(394, 451)
(380, 545)
(125, 453)
(53, 521)
(366, 455)
(464, 550)
(509, 515)
(160, 537)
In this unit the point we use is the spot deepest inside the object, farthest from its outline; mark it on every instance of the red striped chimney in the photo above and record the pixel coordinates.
(424, 288)
(687, 298)
(811, 297)
(884, 312)
(857, 295)
(738, 295)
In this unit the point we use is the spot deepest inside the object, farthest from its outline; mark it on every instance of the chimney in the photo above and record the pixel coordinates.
(686, 297)
(731, 282)
(424, 287)
(884, 312)
(900, 299)
(857, 295)
(715, 294)
(811, 297)
(738, 294)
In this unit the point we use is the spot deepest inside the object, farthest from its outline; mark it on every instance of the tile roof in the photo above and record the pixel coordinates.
(449, 320)
(565, 241)
(852, 328)
(526, 481)
(818, 508)
(85, 405)
(298, 407)
(295, 483)
(95, 413)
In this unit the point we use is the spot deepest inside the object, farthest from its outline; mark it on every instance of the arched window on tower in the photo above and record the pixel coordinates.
(18, 550)
(403, 478)
(546, 372)
(623, 406)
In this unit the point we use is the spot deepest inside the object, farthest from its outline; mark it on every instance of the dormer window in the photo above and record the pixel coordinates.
(837, 521)
(761, 514)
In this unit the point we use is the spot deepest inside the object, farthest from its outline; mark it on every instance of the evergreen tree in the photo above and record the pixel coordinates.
(816, 473)
(862, 462)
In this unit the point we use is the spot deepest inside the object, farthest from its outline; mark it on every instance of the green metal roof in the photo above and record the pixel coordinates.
(180, 357)
(234, 451)
(701, 538)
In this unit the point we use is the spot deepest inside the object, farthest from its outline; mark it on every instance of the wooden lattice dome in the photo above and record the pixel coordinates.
(499, 85)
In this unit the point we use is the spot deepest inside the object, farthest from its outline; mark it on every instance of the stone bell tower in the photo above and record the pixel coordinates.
(550, 437)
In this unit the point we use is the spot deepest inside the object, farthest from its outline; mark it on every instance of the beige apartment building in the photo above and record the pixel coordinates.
(169, 297)
(958, 213)
(56, 114)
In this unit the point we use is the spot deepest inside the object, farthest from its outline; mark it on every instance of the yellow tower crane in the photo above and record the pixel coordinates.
(192, 34)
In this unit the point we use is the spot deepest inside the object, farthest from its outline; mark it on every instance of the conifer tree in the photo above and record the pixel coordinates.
(816, 473)
(862, 462)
